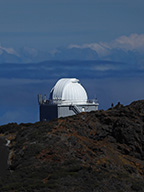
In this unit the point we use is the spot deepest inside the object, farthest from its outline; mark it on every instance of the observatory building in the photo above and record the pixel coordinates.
(67, 97)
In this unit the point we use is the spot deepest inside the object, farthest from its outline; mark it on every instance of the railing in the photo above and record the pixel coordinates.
(59, 101)
(93, 101)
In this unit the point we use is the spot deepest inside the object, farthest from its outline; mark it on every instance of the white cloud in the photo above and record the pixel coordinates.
(8, 50)
(134, 42)
(102, 49)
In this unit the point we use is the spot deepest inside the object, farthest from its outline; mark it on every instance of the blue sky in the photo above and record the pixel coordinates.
(48, 24)
(89, 30)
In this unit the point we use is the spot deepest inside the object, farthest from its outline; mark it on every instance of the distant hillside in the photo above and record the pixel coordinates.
(100, 151)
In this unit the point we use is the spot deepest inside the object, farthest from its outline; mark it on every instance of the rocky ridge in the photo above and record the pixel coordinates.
(100, 151)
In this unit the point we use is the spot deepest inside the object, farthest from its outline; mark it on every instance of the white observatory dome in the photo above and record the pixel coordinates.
(68, 90)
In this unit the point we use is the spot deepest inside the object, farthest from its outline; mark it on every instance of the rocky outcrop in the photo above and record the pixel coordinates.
(101, 151)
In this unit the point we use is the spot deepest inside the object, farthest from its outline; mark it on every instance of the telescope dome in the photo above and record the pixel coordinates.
(68, 90)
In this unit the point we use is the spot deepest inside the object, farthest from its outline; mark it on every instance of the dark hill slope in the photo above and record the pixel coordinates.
(99, 151)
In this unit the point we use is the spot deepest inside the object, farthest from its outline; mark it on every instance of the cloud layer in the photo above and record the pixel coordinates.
(128, 49)
(133, 42)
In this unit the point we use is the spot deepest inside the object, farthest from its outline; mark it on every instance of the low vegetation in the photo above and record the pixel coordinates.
(97, 151)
